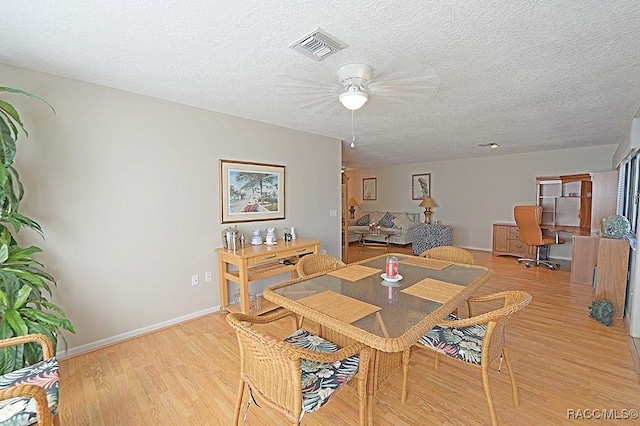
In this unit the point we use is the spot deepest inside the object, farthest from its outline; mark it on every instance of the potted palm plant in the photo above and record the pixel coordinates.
(25, 285)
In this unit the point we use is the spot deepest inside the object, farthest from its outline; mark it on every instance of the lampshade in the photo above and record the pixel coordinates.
(353, 98)
(428, 202)
(353, 202)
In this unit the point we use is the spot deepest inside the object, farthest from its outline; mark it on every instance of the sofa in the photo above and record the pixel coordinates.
(400, 222)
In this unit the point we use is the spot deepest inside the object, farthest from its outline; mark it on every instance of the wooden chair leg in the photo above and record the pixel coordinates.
(487, 392)
(512, 376)
(236, 420)
(406, 357)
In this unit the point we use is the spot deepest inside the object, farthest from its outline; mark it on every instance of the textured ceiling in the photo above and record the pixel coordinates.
(530, 76)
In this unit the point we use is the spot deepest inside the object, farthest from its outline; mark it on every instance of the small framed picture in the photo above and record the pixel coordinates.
(369, 190)
(420, 186)
(251, 191)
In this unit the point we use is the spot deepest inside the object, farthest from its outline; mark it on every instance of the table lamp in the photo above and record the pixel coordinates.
(427, 203)
(352, 207)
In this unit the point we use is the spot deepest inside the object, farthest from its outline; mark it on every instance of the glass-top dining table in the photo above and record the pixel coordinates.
(354, 303)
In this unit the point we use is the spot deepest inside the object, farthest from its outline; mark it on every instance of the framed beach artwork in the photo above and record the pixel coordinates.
(420, 186)
(251, 191)
(369, 189)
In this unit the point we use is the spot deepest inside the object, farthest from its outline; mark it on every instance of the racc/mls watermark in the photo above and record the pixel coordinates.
(602, 414)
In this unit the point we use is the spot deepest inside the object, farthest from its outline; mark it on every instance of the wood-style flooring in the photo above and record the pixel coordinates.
(567, 366)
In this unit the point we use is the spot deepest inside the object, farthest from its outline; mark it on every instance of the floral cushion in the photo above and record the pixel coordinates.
(321, 380)
(463, 343)
(363, 221)
(387, 220)
(22, 411)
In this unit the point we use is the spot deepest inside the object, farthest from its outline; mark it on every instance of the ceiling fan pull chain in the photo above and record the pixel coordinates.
(353, 135)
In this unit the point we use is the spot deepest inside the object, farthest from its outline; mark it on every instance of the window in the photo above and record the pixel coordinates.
(629, 189)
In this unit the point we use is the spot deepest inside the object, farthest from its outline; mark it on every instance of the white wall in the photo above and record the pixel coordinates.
(126, 190)
(472, 194)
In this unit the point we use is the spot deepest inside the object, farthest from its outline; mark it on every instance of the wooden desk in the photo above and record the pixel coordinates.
(584, 251)
(600, 260)
(385, 318)
(255, 263)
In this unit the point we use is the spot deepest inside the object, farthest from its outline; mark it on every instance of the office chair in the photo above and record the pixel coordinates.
(529, 232)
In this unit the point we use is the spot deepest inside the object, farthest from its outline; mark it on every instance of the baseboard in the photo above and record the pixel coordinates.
(61, 354)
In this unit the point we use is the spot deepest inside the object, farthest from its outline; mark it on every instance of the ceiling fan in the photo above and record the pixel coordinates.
(355, 86)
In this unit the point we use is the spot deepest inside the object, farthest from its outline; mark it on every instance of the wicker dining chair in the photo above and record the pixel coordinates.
(29, 395)
(477, 341)
(316, 263)
(298, 375)
(450, 253)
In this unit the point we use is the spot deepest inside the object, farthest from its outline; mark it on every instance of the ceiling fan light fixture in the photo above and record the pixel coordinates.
(353, 98)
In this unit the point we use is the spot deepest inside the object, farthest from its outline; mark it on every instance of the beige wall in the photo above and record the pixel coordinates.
(474, 193)
(126, 189)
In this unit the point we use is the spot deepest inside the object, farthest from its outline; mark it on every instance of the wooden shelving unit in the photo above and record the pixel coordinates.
(565, 200)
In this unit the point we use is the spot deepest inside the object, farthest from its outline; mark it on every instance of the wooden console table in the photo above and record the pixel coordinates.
(255, 263)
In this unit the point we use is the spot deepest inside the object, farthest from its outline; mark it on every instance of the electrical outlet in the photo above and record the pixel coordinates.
(194, 279)
(333, 212)
(207, 276)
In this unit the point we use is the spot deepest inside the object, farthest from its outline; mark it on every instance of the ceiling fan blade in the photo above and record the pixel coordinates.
(417, 93)
(308, 83)
(317, 103)
(333, 108)
(306, 92)
(409, 84)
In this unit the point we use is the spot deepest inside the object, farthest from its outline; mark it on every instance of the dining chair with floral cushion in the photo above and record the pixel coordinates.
(449, 253)
(476, 341)
(297, 375)
(29, 395)
(316, 263)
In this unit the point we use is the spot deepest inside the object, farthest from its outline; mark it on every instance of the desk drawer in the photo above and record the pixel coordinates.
(514, 233)
(516, 246)
(285, 254)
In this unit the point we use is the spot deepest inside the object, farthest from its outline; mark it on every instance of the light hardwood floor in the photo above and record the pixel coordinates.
(187, 374)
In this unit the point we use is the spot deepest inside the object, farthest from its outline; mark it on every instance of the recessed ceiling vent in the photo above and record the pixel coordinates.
(318, 45)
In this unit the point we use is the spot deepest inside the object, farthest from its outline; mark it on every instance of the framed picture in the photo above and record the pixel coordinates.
(420, 186)
(251, 191)
(369, 189)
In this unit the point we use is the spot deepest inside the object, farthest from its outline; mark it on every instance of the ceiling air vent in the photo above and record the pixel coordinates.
(318, 45)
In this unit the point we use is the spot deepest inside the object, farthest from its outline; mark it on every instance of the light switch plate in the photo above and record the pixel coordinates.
(333, 212)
